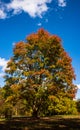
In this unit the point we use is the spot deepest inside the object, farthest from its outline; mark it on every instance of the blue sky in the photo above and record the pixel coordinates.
(19, 18)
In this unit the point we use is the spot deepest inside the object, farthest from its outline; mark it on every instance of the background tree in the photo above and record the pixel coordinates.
(5, 108)
(1, 101)
(78, 105)
(39, 70)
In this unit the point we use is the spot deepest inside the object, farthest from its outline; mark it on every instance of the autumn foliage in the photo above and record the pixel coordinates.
(38, 74)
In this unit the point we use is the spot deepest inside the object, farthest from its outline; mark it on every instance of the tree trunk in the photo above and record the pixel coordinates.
(35, 111)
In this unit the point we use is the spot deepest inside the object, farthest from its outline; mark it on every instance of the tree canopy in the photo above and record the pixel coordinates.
(39, 72)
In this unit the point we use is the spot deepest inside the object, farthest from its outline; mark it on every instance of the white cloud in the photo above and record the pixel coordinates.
(3, 64)
(32, 7)
(39, 24)
(1, 75)
(13, 44)
(78, 85)
(3, 14)
(62, 3)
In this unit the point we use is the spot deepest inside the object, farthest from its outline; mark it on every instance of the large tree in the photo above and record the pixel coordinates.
(39, 70)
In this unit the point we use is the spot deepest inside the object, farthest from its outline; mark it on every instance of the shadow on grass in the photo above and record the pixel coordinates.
(46, 123)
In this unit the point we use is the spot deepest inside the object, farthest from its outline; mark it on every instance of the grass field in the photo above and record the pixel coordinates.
(44, 123)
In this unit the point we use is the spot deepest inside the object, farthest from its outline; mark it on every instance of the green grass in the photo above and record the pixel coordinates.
(68, 116)
(2, 119)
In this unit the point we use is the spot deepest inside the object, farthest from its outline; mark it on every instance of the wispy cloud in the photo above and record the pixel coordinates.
(3, 64)
(46, 20)
(39, 24)
(3, 14)
(62, 3)
(78, 85)
(33, 8)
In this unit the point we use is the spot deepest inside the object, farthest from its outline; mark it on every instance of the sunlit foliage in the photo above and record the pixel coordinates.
(38, 72)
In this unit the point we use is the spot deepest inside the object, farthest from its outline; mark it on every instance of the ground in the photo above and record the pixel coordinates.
(46, 123)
